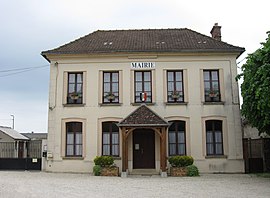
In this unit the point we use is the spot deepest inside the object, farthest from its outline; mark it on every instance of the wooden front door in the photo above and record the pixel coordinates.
(143, 149)
(20, 150)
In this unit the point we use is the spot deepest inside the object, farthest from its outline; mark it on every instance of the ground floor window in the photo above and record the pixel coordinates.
(110, 139)
(214, 139)
(74, 139)
(177, 138)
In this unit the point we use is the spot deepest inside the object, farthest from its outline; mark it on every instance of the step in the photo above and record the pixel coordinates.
(144, 172)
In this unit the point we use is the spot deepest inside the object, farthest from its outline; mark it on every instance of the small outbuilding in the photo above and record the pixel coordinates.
(12, 143)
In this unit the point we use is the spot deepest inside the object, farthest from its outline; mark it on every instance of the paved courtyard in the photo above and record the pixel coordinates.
(40, 184)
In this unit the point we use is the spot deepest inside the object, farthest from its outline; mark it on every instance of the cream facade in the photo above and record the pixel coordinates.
(142, 96)
(194, 110)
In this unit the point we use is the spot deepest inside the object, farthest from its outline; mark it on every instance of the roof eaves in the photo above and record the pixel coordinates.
(143, 125)
(237, 51)
(45, 56)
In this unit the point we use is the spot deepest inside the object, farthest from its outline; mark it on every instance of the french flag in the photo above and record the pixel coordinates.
(143, 96)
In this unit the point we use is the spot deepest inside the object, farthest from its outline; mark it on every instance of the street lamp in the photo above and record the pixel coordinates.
(12, 121)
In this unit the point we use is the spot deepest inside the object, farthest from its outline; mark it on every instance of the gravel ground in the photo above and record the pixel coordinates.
(41, 184)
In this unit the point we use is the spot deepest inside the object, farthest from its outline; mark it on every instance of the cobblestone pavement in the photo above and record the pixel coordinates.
(24, 184)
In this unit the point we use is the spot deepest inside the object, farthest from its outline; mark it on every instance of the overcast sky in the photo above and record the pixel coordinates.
(31, 26)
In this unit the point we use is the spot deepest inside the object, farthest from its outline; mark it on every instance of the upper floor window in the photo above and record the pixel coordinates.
(211, 86)
(75, 88)
(74, 139)
(177, 138)
(143, 86)
(110, 139)
(110, 87)
(214, 137)
(175, 88)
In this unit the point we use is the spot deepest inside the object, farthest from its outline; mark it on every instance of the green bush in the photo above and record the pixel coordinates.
(181, 161)
(192, 170)
(104, 161)
(97, 170)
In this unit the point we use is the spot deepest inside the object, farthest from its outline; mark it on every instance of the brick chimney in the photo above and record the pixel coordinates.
(216, 32)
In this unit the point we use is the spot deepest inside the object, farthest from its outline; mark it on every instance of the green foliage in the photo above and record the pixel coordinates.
(97, 170)
(192, 170)
(256, 88)
(181, 161)
(264, 175)
(104, 161)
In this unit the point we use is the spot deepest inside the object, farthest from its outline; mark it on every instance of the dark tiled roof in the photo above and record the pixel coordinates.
(148, 40)
(143, 116)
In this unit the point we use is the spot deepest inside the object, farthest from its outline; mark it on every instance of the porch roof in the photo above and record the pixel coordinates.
(143, 116)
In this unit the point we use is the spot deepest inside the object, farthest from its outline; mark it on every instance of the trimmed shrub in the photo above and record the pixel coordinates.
(97, 170)
(104, 161)
(192, 170)
(181, 161)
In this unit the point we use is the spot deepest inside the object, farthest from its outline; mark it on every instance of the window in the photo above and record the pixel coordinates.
(211, 86)
(177, 138)
(143, 86)
(75, 88)
(175, 88)
(74, 139)
(110, 87)
(110, 139)
(214, 139)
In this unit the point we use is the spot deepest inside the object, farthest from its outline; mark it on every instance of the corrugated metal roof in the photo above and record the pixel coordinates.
(35, 136)
(12, 133)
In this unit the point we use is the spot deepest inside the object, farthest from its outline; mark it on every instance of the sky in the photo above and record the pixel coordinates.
(29, 27)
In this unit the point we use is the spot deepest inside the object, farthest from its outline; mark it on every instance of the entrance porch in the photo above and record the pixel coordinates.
(143, 141)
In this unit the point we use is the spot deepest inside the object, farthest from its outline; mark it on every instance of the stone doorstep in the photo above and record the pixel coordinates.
(144, 172)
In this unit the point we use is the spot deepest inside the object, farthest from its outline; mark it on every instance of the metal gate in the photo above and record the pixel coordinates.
(11, 157)
(256, 155)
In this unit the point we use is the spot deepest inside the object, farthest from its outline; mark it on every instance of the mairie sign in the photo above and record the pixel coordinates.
(143, 65)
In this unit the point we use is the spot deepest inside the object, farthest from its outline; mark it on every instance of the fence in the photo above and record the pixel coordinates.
(34, 149)
(7, 149)
(10, 158)
(256, 155)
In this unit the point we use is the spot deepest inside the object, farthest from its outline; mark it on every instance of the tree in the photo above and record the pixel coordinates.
(256, 88)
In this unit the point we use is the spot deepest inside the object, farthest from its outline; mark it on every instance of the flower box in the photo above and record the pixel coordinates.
(75, 96)
(110, 96)
(109, 171)
(175, 95)
(212, 95)
(178, 171)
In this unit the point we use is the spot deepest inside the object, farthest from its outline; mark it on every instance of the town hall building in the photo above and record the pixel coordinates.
(142, 96)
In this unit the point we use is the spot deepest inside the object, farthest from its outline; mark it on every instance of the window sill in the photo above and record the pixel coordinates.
(213, 103)
(117, 158)
(73, 158)
(114, 157)
(110, 104)
(216, 156)
(146, 103)
(73, 105)
(176, 103)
